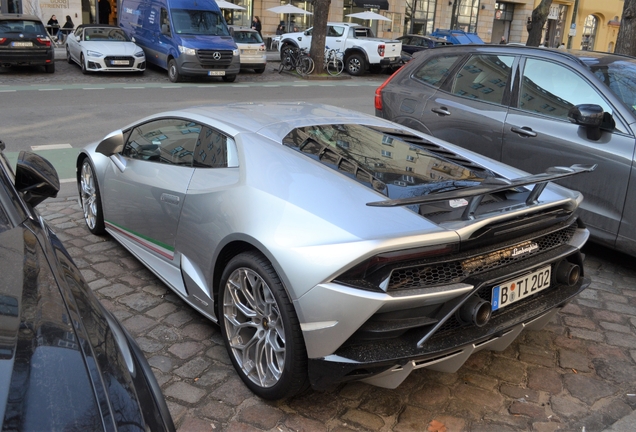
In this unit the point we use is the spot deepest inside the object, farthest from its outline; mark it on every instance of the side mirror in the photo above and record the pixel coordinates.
(113, 143)
(36, 178)
(589, 116)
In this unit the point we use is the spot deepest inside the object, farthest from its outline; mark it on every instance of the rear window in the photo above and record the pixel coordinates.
(21, 26)
(435, 70)
(389, 161)
(247, 37)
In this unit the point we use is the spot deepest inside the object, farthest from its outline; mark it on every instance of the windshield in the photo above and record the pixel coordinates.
(104, 34)
(619, 76)
(21, 26)
(198, 22)
(247, 37)
(390, 161)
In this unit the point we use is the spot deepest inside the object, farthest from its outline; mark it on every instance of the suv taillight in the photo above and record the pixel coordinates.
(378, 91)
(2, 40)
(45, 41)
(381, 49)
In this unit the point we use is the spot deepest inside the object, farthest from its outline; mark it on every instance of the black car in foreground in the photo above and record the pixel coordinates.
(533, 108)
(65, 361)
(24, 41)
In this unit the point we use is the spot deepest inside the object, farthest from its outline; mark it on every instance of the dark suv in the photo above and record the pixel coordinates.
(25, 42)
(533, 108)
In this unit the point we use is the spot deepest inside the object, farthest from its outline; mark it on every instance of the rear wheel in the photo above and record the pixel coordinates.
(356, 64)
(305, 65)
(335, 67)
(173, 71)
(260, 328)
(50, 68)
(91, 199)
(259, 70)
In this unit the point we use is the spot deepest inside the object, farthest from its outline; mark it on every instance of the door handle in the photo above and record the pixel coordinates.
(443, 111)
(523, 131)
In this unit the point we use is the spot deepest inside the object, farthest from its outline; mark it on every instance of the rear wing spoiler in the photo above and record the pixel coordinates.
(491, 185)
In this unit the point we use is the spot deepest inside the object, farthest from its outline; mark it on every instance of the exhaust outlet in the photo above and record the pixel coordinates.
(475, 311)
(567, 273)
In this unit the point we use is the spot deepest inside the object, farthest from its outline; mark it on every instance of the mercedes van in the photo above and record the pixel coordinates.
(185, 37)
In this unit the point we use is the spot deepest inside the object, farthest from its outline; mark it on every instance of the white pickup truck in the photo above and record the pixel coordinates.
(360, 48)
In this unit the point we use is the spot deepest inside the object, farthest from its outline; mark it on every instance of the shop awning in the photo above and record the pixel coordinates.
(372, 4)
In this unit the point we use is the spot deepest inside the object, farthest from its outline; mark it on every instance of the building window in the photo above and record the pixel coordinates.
(387, 154)
(504, 11)
(589, 33)
(410, 158)
(420, 16)
(464, 15)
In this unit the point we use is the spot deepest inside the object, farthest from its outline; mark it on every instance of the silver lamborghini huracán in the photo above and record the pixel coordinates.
(332, 246)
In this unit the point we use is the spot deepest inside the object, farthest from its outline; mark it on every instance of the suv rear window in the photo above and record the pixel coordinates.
(435, 71)
(21, 26)
(246, 36)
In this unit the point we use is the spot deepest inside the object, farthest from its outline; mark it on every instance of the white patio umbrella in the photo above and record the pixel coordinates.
(368, 15)
(289, 9)
(223, 4)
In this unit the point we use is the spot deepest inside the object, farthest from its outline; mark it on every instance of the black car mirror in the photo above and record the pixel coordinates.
(113, 143)
(36, 178)
(590, 116)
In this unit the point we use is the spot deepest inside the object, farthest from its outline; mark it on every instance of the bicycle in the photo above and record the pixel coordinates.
(296, 58)
(334, 61)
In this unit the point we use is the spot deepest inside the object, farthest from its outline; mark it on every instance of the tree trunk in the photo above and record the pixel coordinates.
(626, 41)
(319, 34)
(535, 27)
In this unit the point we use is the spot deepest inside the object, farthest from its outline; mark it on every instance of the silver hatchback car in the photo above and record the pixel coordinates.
(252, 48)
(331, 245)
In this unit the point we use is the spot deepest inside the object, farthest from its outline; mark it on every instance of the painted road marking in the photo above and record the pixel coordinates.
(51, 147)
(49, 89)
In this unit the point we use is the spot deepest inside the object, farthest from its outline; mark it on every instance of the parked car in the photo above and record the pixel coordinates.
(104, 48)
(458, 37)
(252, 48)
(412, 43)
(330, 245)
(360, 48)
(25, 42)
(66, 363)
(184, 37)
(561, 108)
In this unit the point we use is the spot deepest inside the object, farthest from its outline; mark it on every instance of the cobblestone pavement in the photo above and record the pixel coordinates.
(579, 373)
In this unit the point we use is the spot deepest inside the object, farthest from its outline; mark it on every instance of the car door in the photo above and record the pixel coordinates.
(143, 201)
(470, 108)
(74, 43)
(538, 134)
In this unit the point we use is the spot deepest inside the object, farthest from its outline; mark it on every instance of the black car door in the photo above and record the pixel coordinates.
(538, 135)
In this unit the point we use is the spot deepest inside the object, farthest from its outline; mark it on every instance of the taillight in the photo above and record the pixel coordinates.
(261, 48)
(378, 91)
(45, 41)
(2, 40)
(381, 50)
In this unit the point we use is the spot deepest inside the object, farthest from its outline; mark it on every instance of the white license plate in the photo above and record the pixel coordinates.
(216, 73)
(248, 52)
(119, 62)
(520, 288)
(22, 44)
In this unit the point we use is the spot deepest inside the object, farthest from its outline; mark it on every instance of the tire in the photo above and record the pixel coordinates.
(69, 59)
(229, 78)
(90, 198)
(335, 67)
(50, 68)
(356, 64)
(284, 50)
(83, 65)
(305, 65)
(260, 328)
(259, 70)
(173, 71)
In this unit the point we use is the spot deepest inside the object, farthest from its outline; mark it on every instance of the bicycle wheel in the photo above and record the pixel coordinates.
(335, 67)
(305, 65)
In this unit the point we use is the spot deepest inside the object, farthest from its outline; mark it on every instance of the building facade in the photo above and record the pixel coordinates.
(577, 24)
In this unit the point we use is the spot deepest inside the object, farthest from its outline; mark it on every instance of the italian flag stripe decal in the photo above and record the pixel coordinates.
(162, 249)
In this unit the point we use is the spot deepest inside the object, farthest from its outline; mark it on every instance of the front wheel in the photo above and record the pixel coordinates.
(85, 70)
(69, 58)
(260, 328)
(335, 67)
(173, 71)
(91, 199)
(229, 78)
(356, 64)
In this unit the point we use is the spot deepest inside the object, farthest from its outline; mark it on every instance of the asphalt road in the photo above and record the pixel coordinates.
(578, 373)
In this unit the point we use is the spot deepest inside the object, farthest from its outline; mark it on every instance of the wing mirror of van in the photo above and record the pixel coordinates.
(592, 118)
(35, 178)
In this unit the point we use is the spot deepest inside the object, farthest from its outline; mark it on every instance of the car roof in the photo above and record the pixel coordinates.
(19, 17)
(98, 26)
